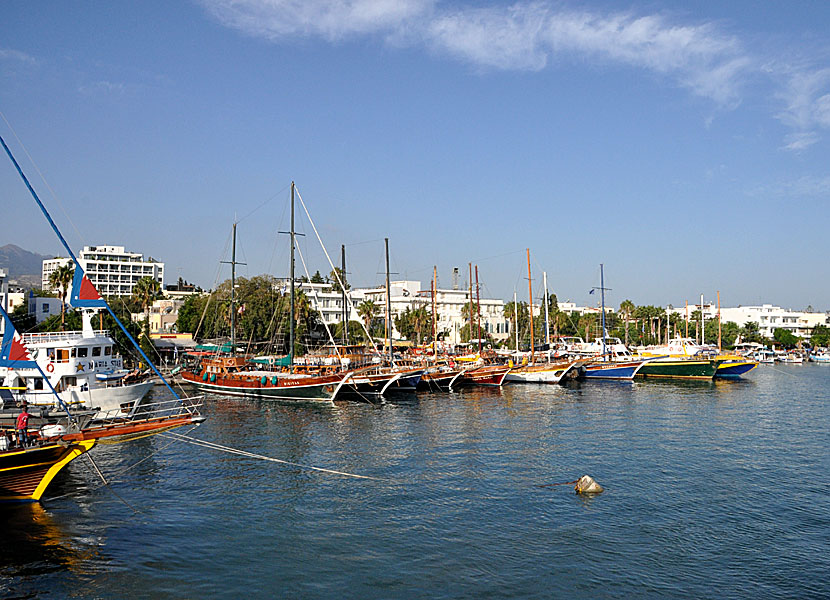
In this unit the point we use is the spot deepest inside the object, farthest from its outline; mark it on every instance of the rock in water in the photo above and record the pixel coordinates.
(587, 485)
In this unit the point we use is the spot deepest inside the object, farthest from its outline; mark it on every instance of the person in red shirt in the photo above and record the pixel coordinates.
(23, 425)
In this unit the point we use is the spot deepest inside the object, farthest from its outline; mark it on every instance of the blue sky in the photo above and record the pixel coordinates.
(682, 144)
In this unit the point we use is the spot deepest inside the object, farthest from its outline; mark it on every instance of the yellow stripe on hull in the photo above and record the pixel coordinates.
(27, 481)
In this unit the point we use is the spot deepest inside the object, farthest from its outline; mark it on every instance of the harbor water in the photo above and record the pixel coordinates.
(712, 490)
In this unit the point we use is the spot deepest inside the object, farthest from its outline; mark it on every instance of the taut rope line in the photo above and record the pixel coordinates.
(228, 449)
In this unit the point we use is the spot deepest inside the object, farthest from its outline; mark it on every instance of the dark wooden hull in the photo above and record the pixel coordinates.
(441, 380)
(488, 375)
(290, 389)
(25, 474)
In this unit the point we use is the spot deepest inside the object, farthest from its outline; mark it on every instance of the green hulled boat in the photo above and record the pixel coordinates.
(680, 367)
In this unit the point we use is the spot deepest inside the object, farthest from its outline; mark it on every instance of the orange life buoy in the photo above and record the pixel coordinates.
(50, 367)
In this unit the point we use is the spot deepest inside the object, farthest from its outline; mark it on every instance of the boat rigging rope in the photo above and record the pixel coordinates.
(125, 469)
(228, 449)
(107, 484)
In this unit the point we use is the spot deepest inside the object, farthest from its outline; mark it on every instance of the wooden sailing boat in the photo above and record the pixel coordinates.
(237, 376)
(540, 372)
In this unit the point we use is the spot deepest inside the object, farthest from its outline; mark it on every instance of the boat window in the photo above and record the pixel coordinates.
(72, 352)
(38, 383)
(68, 381)
(96, 351)
(107, 350)
(63, 355)
(82, 352)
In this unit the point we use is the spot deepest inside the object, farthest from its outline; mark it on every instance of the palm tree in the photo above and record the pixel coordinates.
(626, 310)
(368, 311)
(61, 278)
(146, 291)
(421, 319)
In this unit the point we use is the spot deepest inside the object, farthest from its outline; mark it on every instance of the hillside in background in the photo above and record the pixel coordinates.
(23, 267)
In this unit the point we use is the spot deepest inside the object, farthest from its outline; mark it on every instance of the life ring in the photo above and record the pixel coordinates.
(50, 368)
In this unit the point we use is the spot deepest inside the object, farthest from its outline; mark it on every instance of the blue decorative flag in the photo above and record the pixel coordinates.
(84, 294)
(13, 353)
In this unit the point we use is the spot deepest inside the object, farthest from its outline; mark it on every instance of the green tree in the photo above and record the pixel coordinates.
(317, 278)
(369, 312)
(820, 336)
(626, 312)
(519, 317)
(355, 333)
(751, 332)
(146, 291)
(785, 337)
(335, 277)
(61, 279)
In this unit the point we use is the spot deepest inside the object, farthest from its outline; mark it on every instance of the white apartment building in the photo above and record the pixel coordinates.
(768, 317)
(112, 269)
(449, 306)
(325, 301)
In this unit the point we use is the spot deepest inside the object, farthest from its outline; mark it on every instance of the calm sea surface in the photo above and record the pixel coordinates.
(713, 490)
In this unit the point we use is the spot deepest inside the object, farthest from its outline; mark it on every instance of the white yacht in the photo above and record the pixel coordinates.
(84, 369)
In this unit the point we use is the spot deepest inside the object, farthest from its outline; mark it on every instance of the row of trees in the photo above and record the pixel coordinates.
(262, 318)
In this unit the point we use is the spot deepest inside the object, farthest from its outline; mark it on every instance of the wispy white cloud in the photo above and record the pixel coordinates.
(332, 20)
(806, 95)
(102, 87)
(529, 35)
(7, 54)
(807, 186)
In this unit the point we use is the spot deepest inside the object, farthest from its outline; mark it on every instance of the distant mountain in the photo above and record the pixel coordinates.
(21, 265)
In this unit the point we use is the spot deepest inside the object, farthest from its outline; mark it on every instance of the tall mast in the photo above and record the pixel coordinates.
(702, 334)
(516, 321)
(388, 304)
(434, 314)
(547, 324)
(471, 302)
(478, 313)
(343, 286)
(530, 308)
(602, 294)
(291, 277)
(233, 294)
(720, 330)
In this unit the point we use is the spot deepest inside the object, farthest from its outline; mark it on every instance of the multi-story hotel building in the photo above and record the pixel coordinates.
(112, 269)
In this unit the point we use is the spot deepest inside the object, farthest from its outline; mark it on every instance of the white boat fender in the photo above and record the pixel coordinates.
(50, 431)
(587, 485)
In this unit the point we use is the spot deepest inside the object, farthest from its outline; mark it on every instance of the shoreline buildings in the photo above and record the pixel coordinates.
(112, 269)
(767, 316)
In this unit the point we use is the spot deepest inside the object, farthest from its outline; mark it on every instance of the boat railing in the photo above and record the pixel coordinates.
(58, 336)
(162, 409)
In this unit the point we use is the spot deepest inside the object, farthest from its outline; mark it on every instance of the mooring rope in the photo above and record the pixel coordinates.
(228, 449)
(546, 485)
(121, 471)
(784, 372)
